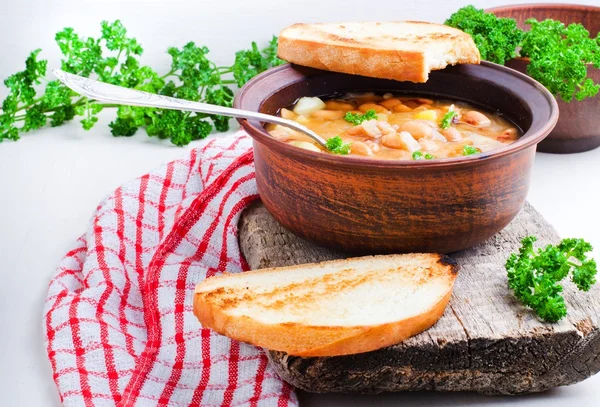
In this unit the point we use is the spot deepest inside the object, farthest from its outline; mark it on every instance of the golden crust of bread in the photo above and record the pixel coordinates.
(404, 56)
(211, 306)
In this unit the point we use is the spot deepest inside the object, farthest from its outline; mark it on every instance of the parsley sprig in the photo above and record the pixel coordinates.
(535, 276)
(470, 150)
(447, 119)
(419, 155)
(358, 118)
(496, 38)
(337, 146)
(114, 57)
(560, 56)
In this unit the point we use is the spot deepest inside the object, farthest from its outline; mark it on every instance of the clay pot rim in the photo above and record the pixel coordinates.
(556, 6)
(530, 138)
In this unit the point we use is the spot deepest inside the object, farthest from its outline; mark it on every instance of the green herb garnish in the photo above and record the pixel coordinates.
(535, 276)
(357, 118)
(114, 58)
(559, 55)
(337, 146)
(418, 155)
(496, 38)
(470, 150)
(447, 119)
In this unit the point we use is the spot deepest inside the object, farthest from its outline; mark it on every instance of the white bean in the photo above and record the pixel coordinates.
(417, 129)
(360, 148)
(328, 114)
(452, 134)
(392, 141)
(371, 129)
(474, 118)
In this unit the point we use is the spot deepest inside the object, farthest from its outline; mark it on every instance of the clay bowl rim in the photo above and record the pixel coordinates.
(528, 139)
(556, 6)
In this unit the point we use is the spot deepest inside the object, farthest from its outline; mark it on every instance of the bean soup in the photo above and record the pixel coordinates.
(396, 127)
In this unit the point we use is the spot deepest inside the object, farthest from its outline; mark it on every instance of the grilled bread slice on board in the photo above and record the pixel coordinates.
(337, 307)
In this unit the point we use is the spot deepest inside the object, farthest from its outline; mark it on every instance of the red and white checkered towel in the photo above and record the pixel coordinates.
(118, 316)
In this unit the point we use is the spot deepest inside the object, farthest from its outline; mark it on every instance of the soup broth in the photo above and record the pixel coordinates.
(397, 127)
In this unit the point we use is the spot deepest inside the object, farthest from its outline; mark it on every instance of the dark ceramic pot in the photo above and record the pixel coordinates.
(578, 128)
(363, 205)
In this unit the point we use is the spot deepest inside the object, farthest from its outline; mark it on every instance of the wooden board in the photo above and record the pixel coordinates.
(485, 342)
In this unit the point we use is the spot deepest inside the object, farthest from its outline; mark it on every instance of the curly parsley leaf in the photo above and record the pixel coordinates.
(22, 84)
(358, 118)
(180, 127)
(251, 62)
(337, 146)
(22, 96)
(496, 38)
(447, 119)
(535, 277)
(470, 150)
(560, 56)
(113, 57)
(419, 155)
(222, 96)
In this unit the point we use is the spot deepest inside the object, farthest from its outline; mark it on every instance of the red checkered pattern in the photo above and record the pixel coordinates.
(118, 316)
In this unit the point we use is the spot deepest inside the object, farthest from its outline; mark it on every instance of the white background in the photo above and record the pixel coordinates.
(51, 180)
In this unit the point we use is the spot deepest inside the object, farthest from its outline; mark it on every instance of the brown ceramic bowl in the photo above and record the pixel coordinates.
(365, 205)
(578, 128)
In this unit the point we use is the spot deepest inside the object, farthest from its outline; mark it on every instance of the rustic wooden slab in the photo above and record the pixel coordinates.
(485, 342)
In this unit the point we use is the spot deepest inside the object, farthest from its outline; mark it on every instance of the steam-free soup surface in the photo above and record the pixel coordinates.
(397, 127)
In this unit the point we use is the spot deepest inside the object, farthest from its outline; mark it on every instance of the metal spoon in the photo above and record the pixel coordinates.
(131, 97)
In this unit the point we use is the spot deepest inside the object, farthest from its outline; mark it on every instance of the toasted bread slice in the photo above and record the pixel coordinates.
(332, 308)
(403, 50)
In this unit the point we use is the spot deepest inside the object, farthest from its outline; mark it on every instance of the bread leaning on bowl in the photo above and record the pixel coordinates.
(403, 50)
(332, 308)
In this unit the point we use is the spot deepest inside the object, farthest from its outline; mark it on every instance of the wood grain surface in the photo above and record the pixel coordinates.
(55, 177)
(486, 341)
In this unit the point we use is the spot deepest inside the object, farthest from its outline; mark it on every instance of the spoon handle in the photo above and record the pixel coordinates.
(132, 97)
